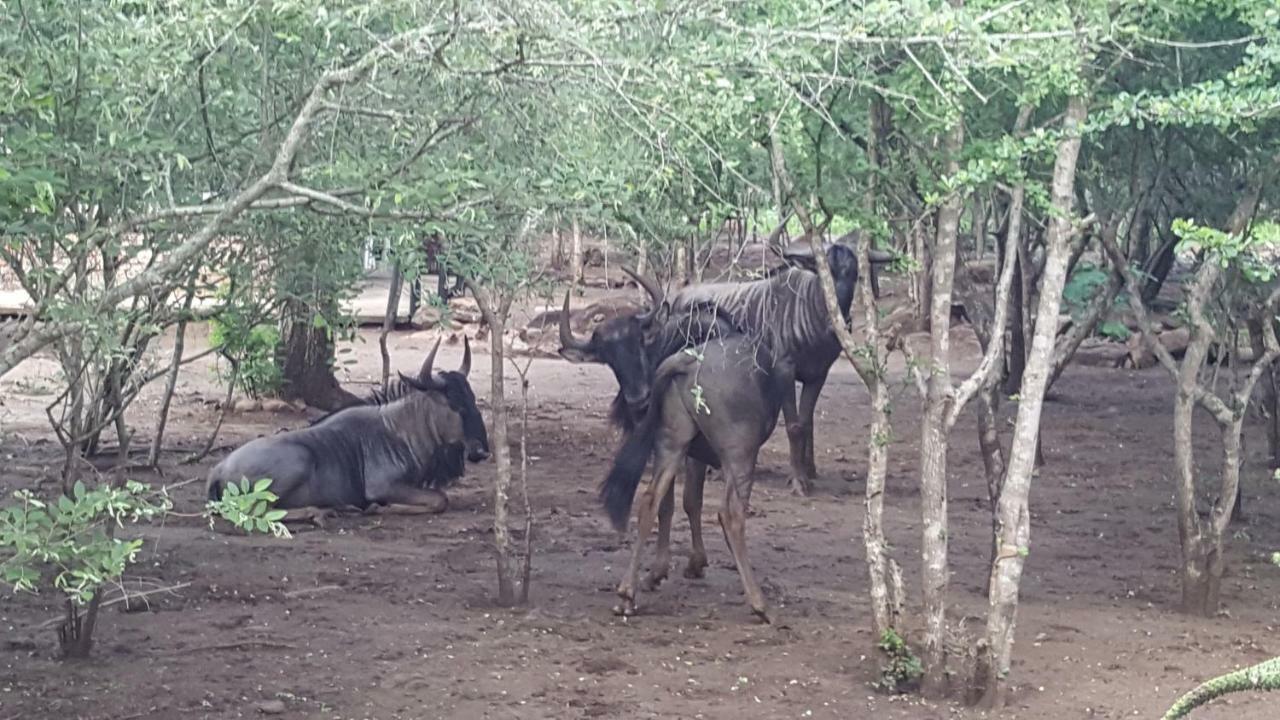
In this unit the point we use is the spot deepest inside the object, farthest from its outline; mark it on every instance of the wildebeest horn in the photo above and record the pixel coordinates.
(881, 256)
(465, 369)
(425, 372)
(566, 333)
(656, 296)
(419, 384)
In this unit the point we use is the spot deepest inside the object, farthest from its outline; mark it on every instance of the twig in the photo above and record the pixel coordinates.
(239, 645)
(123, 598)
(311, 591)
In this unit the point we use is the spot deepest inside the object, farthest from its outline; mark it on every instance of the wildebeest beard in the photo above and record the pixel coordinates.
(446, 464)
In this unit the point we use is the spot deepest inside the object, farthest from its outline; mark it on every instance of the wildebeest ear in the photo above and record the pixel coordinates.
(425, 372)
(653, 325)
(428, 385)
(576, 354)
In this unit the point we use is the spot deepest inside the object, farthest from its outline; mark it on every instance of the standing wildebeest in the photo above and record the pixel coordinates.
(723, 394)
(401, 452)
(633, 347)
(787, 310)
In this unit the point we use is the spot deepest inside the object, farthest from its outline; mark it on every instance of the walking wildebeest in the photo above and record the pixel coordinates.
(725, 394)
(787, 309)
(400, 452)
(633, 347)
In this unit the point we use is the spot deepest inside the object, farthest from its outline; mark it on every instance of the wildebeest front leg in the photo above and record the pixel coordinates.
(695, 474)
(317, 516)
(408, 500)
(662, 560)
(663, 477)
(733, 520)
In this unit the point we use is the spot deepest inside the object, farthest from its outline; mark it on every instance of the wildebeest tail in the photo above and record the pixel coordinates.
(213, 486)
(618, 491)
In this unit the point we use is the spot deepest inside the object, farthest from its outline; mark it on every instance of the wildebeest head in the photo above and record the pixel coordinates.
(621, 343)
(453, 385)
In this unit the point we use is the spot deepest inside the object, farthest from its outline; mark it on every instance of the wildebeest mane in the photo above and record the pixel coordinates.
(696, 323)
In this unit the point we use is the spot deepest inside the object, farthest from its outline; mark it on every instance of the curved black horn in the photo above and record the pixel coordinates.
(881, 256)
(465, 369)
(425, 372)
(656, 296)
(567, 339)
(420, 385)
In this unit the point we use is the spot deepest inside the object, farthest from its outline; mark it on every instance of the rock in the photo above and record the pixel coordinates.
(516, 345)
(244, 405)
(1095, 352)
(277, 405)
(272, 707)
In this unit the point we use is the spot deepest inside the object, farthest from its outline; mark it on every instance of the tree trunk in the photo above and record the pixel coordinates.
(307, 362)
(389, 321)
(509, 566)
(933, 432)
(1015, 527)
(171, 382)
(575, 258)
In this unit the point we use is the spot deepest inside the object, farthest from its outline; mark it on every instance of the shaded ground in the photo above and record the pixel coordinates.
(392, 617)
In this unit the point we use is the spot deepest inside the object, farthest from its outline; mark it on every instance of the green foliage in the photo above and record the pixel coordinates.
(252, 351)
(1082, 287)
(68, 539)
(901, 671)
(1231, 250)
(248, 506)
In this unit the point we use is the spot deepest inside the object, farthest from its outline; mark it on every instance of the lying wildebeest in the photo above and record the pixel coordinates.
(724, 394)
(787, 309)
(400, 452)
(633, 347)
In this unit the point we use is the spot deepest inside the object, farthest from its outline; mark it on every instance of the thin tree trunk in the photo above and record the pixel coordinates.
(389, 321)
(642, 258)
(575, 258)
(509, 594)
(171, 383)
(933, 432)
(883, 604)
(526, 559)
(1015, 527)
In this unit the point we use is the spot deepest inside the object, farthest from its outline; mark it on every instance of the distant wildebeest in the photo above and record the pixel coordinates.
(787, 309)
(724, 395)
(400, 451)
(633, 347)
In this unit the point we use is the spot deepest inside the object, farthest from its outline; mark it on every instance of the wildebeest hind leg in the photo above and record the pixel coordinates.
(733, 520)
(317, 516)
(662, 560)
(791, 417)
(695, 474)
(406, 500)
(664, 475)
(808, 405)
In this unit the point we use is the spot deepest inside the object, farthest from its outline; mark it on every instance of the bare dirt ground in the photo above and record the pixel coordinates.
(392, 617)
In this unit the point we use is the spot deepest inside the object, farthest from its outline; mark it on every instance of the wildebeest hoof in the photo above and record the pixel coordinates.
(626, 608)
(800, 487)
(763, 614)
(695, 570)
(654, 579)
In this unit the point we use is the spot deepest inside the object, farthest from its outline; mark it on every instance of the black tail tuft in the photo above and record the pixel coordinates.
(618, 491)
(619, 488)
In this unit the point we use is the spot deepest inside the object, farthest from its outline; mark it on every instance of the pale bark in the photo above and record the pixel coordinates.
(575, 254)
(389, 321)
(509, 567)
(1014, 534)
(934, 430)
